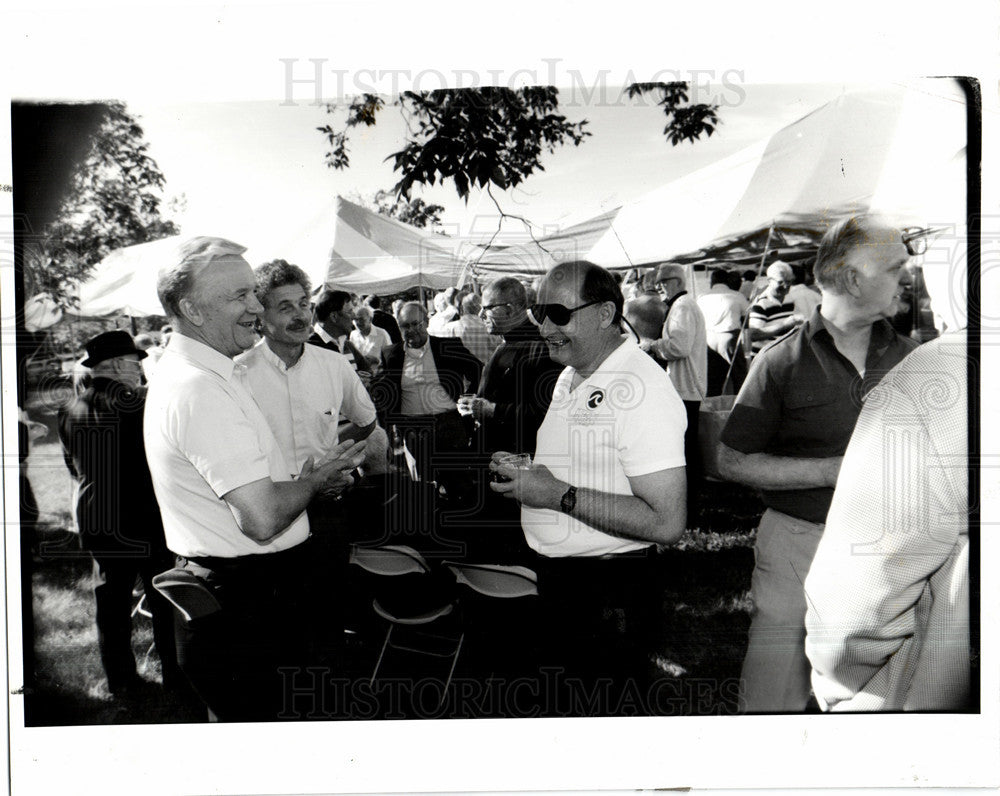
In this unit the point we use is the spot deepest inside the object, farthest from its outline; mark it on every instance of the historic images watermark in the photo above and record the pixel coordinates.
(318, 81)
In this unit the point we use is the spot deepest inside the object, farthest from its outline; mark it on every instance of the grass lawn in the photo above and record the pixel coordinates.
(701, 637)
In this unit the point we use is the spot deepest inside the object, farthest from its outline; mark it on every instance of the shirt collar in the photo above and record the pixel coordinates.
(201, 354)
(612, 365)
(670, 303)
(882, 331)
(417, 352)
(269, 356)
(322, 333)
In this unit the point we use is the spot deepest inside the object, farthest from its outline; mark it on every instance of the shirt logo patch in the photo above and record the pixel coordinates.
(595, 399)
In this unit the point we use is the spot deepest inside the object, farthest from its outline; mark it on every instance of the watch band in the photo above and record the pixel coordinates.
(568, 502)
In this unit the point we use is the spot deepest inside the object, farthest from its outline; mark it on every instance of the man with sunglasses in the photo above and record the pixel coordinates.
(608, 482)
(788, 432)
(514, 395)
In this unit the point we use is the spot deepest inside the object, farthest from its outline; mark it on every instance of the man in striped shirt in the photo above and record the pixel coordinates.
(772, 315)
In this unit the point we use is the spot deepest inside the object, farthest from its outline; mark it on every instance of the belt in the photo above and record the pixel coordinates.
(232, 564)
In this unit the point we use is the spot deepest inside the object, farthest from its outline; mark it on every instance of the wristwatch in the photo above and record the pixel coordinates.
(568, 502)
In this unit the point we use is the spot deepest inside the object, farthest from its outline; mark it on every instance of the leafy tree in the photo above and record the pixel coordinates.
(415, 212)
(494, 135)
(113, 201)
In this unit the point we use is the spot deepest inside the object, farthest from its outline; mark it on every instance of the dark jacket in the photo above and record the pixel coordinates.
(455, 365)
(101, 435)
(349, 348)
(519, 378)
(384, 320)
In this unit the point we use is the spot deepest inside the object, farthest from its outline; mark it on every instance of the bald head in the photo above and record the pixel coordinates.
(580, 314)
(583, 281)
(646, 314)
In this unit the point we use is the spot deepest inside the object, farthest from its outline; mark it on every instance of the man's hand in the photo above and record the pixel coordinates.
(478, 408)
(331, 476)
(533, 485)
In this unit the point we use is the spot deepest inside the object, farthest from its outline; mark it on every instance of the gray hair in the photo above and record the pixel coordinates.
(471, 304)
(419, 305)
(831, 268)
(364, 311)
(779, 269)
(176, 282)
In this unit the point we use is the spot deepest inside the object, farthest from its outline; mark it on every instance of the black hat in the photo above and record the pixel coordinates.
(108, 345)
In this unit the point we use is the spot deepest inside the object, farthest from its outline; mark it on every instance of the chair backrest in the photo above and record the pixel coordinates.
(496, 580)
(388, 560)
(187, 593)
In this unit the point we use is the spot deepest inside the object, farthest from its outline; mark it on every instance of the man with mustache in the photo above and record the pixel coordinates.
(302, 390)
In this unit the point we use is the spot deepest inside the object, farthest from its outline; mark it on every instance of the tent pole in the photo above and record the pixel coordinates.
(743, 326)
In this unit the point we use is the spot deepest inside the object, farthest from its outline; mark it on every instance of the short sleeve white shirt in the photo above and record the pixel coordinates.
(625, 420)
(372, 344)
(302, 403)
(205, 436)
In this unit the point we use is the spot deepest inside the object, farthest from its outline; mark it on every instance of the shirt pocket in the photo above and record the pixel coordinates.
(811, 415)
(805, 398)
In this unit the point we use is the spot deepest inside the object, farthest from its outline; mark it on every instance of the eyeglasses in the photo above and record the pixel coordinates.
(493, 308)
(915, 239)
(557, 313)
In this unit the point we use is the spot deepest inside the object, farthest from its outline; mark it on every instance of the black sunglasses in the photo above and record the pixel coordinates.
(557, 313)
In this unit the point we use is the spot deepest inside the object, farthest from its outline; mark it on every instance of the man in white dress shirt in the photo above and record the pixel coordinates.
(233, 508)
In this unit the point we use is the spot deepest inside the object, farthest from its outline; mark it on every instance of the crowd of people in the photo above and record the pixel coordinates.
(247, 464)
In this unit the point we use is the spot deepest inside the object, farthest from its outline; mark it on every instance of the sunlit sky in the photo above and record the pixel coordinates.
(255, 171)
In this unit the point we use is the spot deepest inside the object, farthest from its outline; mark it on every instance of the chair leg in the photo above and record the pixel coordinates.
(451, 671)
(381, 655)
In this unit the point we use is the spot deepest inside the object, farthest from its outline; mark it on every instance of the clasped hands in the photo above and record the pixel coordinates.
(332, 475)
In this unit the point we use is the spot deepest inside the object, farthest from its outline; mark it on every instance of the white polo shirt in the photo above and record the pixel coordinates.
(302, 403)
(625, 420)
(205, 436)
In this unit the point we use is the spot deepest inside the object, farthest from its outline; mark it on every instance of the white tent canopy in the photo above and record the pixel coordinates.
(371, 253)
(346, 246)
(892, 150)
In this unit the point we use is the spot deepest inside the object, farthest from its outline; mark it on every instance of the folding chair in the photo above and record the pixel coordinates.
(188, 593)
(498, 625)
(392, 561)
(496, 580)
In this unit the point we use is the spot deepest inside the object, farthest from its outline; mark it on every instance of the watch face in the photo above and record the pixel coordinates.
(568, 502)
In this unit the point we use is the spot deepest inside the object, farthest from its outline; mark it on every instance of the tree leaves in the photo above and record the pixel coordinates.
(113, 202)
(475, 137)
